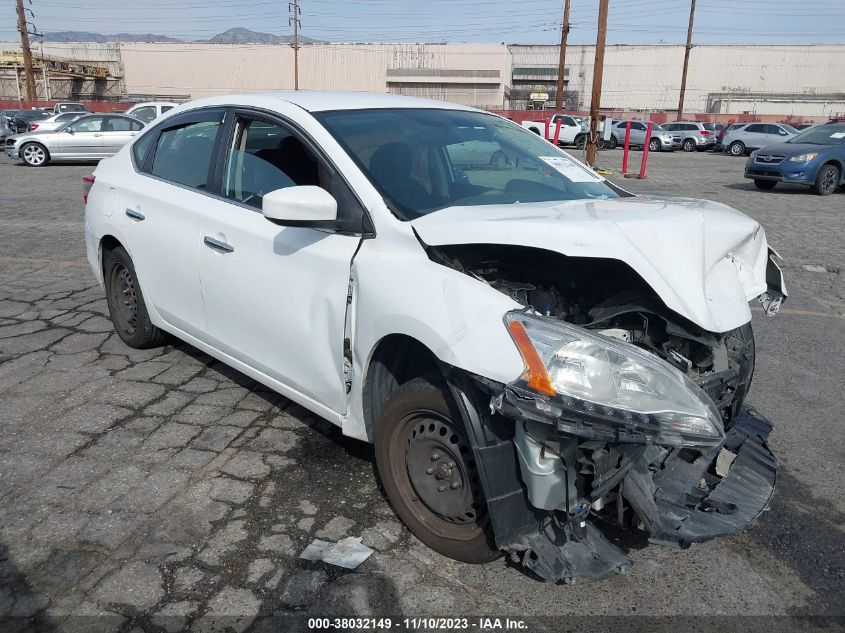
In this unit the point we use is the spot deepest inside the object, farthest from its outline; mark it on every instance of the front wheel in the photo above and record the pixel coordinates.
(580, 141)
(34, 155)
(654, 145)
(737, 148)
(827, 180)
(429, 474)
(765, 185)
(127, 308)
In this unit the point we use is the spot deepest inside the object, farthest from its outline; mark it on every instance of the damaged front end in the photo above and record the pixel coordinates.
(626, 414)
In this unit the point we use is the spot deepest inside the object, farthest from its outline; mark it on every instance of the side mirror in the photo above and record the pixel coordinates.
(69, 130)
(299, 206)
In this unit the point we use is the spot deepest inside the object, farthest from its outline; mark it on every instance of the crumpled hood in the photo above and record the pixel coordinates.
(704, 259)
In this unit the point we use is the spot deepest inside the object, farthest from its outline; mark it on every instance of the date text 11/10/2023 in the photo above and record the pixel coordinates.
(419, 624)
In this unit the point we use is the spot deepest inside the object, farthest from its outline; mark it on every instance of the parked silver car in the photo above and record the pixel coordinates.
(753, 136)
(661, 140)
(90, 137)
(692, 135)
(53, 122)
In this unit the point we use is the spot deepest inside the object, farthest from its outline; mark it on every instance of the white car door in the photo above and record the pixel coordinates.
(276, 296)
(164, 215)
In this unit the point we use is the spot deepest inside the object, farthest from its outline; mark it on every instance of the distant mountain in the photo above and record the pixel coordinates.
(240, 35)
(237, 35)
(86, 36)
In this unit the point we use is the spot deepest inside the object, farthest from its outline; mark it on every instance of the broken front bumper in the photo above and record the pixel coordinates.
(684, 502)
(687, 501)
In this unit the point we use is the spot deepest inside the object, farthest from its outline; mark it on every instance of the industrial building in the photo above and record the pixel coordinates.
(790, 80)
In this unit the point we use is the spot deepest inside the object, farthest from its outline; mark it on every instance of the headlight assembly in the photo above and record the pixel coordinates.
(613, 385)
(803, 158)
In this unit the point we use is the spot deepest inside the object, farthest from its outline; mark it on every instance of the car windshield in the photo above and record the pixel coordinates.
(821, 135)
(424, 160)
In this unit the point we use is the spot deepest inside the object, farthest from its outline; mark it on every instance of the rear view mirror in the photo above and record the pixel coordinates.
(299, 206)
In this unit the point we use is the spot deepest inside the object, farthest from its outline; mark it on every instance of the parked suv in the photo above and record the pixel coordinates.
(660, 138)
(753, 136)
(720, 135)
(692, 135)
(815, 158)
(519, 341)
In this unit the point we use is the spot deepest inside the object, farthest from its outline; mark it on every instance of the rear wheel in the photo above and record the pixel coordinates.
(612, 143)
(827, 180)
(498, 160)
(689, 145)
(580, 141)
(737, 148)
(429, 474)
(127, 309)
(34, 154)
(765, 185)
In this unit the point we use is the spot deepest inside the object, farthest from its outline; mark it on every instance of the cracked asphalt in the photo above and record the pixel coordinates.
(160, 490)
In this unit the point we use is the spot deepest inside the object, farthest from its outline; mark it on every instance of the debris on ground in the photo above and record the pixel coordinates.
(348, 552)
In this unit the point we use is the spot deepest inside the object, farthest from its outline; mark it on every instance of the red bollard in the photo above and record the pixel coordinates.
(645, 151)
(557, 132)
(627, 148)
(547, 130)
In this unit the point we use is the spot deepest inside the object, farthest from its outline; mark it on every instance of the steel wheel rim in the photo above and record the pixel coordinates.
(828, 179)
(125, 299)
(33, 154)
(456, 512)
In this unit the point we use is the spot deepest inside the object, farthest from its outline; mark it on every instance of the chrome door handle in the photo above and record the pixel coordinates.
(217, 245)
(135, 215)
(98, 135)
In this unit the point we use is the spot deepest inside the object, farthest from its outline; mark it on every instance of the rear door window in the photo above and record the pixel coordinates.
(88, 124)
(183, 153)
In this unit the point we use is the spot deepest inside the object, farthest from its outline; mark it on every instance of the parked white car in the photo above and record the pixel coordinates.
(526, 344)
(150, 110)
(569, 128)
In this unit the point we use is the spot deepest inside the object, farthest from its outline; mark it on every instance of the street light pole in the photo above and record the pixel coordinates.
(564, 32)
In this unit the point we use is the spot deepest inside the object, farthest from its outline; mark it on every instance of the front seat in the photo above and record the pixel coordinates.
(390, 166)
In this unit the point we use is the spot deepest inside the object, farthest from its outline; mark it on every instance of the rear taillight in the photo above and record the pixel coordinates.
(87, 183)
(33, 126)
(705, 132)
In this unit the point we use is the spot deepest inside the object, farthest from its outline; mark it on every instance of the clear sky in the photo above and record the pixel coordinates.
(533, 21)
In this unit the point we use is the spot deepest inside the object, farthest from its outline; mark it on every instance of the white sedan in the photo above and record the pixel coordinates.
(522, 341)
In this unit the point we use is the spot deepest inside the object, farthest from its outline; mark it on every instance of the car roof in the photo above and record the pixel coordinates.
(152, 103)
(321, 101)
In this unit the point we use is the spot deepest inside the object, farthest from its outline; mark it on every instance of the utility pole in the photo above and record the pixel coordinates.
(598, 70)
(29, 77)
(686, 61)
(564, 31)
(294, 21)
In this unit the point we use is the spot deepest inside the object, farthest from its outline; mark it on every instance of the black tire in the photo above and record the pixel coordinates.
(127, 309)
(689, 145)
(737, 148)
(612, 143)
(34, 154)
(418, 433)
(765, 185)
(580, 141)
(827, 180)
(654, 145)
(498, 160)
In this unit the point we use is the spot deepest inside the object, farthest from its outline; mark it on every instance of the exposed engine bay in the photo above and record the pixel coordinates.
(573, 470)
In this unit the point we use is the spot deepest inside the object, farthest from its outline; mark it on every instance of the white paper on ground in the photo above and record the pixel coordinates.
(348, 552)
(570, 169)
(838, 135)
